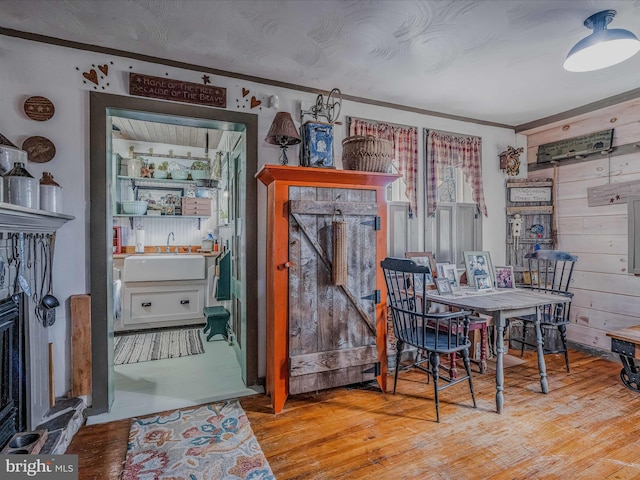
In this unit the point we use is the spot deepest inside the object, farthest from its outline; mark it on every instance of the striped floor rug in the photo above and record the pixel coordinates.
(144, 347)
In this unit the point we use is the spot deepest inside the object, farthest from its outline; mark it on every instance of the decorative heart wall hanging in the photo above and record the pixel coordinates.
(92, 76)
(255, 102)
(245, 92)
(97, 75)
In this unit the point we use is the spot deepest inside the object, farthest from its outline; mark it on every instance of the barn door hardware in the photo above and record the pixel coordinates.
(375, 223)
(375, 296)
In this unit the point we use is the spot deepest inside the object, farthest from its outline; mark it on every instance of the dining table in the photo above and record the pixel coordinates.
(502, 304)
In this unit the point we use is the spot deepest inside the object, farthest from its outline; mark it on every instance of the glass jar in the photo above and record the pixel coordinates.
(134, 165)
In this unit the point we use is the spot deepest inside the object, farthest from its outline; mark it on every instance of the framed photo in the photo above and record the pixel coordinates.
(444, 287)
(440, 269)
(483, 282)
(424, 258)
(160, 198)
(450, 272)
(478, 263)
(504, 277)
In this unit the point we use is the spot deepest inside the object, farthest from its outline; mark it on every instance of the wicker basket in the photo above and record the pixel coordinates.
(367, 153)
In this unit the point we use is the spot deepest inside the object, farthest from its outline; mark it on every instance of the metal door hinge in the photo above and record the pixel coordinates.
(375, 223)
(375, 296)
(375, 369)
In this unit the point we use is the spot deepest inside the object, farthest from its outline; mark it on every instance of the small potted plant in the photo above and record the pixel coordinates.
(199, 170)
(161, 170)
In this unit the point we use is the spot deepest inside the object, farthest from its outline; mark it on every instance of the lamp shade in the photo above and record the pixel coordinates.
(283, 131)
(603, 47)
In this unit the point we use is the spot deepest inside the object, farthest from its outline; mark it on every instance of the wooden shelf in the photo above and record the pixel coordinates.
(15, 218)
(172, 157)
(201, 181)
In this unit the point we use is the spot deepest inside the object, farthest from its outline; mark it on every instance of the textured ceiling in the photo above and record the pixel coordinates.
(496, 61)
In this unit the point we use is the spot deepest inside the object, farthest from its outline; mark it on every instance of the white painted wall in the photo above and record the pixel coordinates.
(30, 68)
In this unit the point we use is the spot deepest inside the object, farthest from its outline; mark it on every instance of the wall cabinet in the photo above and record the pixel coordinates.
(321, 335)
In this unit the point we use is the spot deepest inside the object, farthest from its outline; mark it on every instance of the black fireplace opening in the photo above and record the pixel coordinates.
(13, 385)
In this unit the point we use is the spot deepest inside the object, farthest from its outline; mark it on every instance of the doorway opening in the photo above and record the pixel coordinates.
(117, 291)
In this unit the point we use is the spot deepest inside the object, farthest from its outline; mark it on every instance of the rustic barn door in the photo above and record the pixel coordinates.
(332, 333)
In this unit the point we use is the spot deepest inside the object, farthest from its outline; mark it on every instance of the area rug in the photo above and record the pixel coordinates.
(144, 347)
(210, 442)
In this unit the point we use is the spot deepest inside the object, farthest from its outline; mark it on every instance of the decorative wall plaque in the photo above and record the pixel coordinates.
(576, 146)
(39, 108)
(530, 194)
(177, 90)
(39, 149)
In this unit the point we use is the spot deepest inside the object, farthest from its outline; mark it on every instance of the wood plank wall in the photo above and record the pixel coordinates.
(606, 296)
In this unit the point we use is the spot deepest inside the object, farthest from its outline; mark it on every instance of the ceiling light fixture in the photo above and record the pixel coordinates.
(603, 47)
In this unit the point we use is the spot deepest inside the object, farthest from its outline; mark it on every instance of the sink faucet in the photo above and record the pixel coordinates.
(171, 235)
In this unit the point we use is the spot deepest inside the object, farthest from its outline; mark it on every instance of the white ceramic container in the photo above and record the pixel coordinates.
(20, 188)
(51, 198)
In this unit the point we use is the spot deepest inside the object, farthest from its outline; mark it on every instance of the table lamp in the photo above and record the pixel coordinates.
(283, 132)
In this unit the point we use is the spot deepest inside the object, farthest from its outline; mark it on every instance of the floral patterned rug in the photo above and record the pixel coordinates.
(210, 442)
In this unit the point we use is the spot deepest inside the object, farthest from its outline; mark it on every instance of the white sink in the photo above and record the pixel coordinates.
(156, 268)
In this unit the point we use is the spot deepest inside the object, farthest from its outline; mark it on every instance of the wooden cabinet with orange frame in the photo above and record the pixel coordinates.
(321, 334)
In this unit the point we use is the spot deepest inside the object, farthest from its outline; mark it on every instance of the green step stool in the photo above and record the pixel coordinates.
(217, 322)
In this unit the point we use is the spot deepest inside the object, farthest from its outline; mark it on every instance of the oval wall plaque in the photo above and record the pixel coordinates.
(39, 149)
(39, 108)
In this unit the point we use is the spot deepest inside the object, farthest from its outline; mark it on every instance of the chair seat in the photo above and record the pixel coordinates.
(428, 341)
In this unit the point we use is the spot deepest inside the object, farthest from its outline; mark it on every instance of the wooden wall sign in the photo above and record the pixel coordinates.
(39, 108)
(530, 194)
(39, 149)
(177, 90)
(576, 146)
(612, 193)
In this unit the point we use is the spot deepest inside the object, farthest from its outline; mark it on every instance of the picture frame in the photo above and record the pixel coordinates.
(424, 258)
(504, 277)
(440, 268)
(443, 285)
(450, 272)
(478, 263)
(160, 198)
(483, 282)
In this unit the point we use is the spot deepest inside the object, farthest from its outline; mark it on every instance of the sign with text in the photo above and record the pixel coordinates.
(177, 90)
(576, 146)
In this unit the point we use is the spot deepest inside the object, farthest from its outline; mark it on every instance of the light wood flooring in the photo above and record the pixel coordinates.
(587, 427)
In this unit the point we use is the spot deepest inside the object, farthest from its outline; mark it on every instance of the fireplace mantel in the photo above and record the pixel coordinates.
(15, 218)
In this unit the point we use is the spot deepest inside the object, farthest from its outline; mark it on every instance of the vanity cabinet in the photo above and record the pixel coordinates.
(321, 335)
(155, 304)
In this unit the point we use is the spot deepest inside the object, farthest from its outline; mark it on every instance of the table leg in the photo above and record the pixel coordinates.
(500, 324)
(483, 349)
(541, 365)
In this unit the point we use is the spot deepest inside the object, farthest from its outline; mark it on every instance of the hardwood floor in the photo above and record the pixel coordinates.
(585, 428)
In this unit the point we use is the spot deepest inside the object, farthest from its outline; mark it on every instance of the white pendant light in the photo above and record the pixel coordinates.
(603, 47)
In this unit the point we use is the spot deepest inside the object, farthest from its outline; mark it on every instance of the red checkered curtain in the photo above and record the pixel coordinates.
(450, 150)
(405, 151)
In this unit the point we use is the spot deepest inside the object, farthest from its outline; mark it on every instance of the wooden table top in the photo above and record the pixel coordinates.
(497, 300)
(630, 334)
